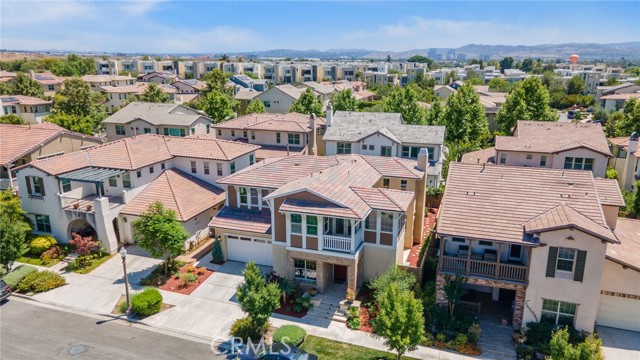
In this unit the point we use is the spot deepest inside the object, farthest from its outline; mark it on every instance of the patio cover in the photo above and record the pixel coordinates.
(90, 174)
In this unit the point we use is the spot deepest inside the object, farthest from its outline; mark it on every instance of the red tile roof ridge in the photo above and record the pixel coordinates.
(379, 190)
(126, 146)
(173, 194)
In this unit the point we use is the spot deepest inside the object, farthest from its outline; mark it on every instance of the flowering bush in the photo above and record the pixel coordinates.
(83, 244)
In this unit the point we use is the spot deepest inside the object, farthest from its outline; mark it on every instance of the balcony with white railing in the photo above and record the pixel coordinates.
(8, 183)
(347, 244)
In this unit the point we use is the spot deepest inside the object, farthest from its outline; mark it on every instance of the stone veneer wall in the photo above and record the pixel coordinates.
(324, 268)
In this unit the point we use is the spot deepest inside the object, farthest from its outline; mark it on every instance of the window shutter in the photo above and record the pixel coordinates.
(28, 180)
(41, 186)
(551, 261)
(580, 261)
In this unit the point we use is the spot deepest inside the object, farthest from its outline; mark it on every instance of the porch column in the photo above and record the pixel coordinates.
(378, 226)
(10, 177)
(469, 256)
(497, 274)
(320, 232)
(288, 224)
(518, 308)
(352, 247)
(304, 231)
(238, 201)
(395, 229)
(440, 257)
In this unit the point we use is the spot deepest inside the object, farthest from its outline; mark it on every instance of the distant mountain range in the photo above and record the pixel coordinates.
(590, 51)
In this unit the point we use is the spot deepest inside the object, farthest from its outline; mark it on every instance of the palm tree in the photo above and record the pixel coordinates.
(286, 287)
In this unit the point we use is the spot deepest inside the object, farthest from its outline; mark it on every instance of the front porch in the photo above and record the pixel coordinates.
(330, 275)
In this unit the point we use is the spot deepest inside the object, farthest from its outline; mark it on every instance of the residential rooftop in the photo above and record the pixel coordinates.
(155, 114)
(291, 122)
(627, 253)
(22, 100)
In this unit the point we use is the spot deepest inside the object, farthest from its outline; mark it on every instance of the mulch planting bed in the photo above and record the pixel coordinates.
(365, 320)
(288, 310)
(177, 284)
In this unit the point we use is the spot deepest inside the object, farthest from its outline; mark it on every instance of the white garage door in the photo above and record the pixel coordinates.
(258, 250)
(619, 312)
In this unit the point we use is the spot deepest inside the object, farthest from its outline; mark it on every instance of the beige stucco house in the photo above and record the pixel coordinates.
(626, 160)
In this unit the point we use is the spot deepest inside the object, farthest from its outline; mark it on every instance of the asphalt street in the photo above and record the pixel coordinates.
(29, 331)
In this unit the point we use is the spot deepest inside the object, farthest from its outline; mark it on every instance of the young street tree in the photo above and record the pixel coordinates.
(218, 106)
(464, 117)
(400, 320)
(160, 233)
(405, 102)
(257, 298)
(308, 104)
(154, 94)
(25, 85)
(344, 101)
(535, 98)
(256, 106)
(13, 229)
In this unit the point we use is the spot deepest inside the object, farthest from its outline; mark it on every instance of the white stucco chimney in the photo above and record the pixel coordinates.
(629, 163)
(329, 118)
(313, 147)
(423, 159)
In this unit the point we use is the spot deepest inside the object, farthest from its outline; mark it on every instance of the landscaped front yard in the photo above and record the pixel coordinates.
(329, 349)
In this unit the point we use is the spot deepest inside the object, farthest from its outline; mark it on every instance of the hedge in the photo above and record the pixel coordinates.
(14, 277)
(290, 334)
(147, 302)
(41, 281)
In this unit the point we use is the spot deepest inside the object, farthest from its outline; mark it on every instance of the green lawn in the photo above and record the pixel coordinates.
(329, 349)
(36, 261)
(94, 264)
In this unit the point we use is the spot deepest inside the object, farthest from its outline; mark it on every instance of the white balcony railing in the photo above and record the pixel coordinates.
(6, 183)
(336, 243)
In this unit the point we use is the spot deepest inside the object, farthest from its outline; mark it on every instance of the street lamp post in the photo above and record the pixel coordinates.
(123, 254)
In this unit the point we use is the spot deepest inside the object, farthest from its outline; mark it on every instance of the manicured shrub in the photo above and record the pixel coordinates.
(216, 252)
(41, 244)
(429, 339)
(187, 279)
(290, 334)
(40, 281)
(147, 302)
(353, 323)
(201, 271)
(51, 255)
(14, 277)
(245, 329)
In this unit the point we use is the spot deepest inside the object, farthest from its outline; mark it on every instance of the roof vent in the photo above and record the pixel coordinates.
(472, 193)
(570, 183)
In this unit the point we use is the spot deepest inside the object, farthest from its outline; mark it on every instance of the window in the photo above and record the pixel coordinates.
(162, 166)
(344, 148)
(253, 192)
(622, 153)
(151, 170)
(485, 243)
(244, 134)
(293, 139)
(296, 224)
(66, 185)
(206, 168)
(126, 180)
(147, 130)
(364, 146)
(386, 222)
(385, 150)
(372, 147)
(208, 128)
(529, 156)
(120, 130)
(51, 87)
(459, 240)
(304, 269)
(193, 131)
(253, 135)
(233, 133)
(385, 183)
(558, 312)
(138, 174)
(219, 132)
(503, 158)
(194, 167)
(566, 259)
(277, 138)
(43, 224)
(267, 104)
(219, 169)
(175, 132)
(265, 193)
(252, 159)
(312, 225)
(543, 160)
(403, 184)
(577, 163)
(372, 221)
(244, 200)
(113, 181)
(410, 152)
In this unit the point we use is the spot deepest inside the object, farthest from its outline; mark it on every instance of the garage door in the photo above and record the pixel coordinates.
(258, 250)
(619, 312)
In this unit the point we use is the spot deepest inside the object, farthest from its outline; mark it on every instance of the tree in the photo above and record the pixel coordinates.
(218, 106)
(388, 58)
(307, 103)
(434, 115)
(257, 298)
(25, 85)
(420, 59)
(631, 121)
(400, 320)
(450, 77)
(256, 106)
(216, 252)
(216, 81)
(14, 228)
(612, 82)
(499, 85)
(506, 63)
(394, 275)
(11, 119)
(527, 65)
(344, 101)
(453, 290)
(6, 88)
(405, 102)
(529, 100)
(77, 99)
(159, 232)
(154, 94)
(635, 206)
(562, 349)
(611, 126)
(575, 85)
(74, 123)
(475, 77)
(464, 116)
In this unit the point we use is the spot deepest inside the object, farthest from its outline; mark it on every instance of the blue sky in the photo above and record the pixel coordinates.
(164, 26)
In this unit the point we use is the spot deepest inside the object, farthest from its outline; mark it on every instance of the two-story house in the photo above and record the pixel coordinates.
(279, 98)
(626, 160)
(277, 134)
(551, 145)
(98, 81)
(324, 220)
(532, 239)
(49, 83)
(384, 134)
(21, 144)
(117, 96)
(31, 109)
(101, 190)
(153, 118)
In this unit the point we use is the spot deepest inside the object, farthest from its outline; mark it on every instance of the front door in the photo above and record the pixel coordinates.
(339, 273)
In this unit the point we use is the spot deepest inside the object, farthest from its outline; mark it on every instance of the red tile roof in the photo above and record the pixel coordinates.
(242, 220)
(291, 122)
(564, 216)
(312, 207)
(628, 251)
(480, 156)
(187, 195)
(609, 192)
(23, 100)
(17, 141)
(623, 142)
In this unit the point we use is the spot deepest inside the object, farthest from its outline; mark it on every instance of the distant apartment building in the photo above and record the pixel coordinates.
(98, 81)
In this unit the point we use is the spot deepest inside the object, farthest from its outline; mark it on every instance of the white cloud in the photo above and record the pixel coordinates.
(56, 13)
(140, 7)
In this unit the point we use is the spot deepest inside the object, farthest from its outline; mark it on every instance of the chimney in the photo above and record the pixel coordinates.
(312, 137)
(423, 159)
(329, 118)
(629, 163)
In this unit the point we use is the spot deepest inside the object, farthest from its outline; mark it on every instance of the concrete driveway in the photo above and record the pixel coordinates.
(619, 344)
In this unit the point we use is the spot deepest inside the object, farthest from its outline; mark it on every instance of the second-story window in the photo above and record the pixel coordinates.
(244, 199)
(296, 224)
(208, 128)
(385, 183)
(194, 168)
(232, 167)
(35, 186)
(543, 160)
(503, 158)
(566, 259)
(162, 166)
(206, 168)
(294, 139)
(120, 130)
(251, 159)
(138, 174)
(219, 169)
(151, 169)
(253, 196)
(126, 180)
(113, 181)
(312, 225)
(265, 193)
(385, 150)
(277, 138)
(372, 221)
(386, 222)
(403, 184)
(577, 163)
(244, 134)
(344, 148)
(233, 133)
(253, 135)
(219, 132)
